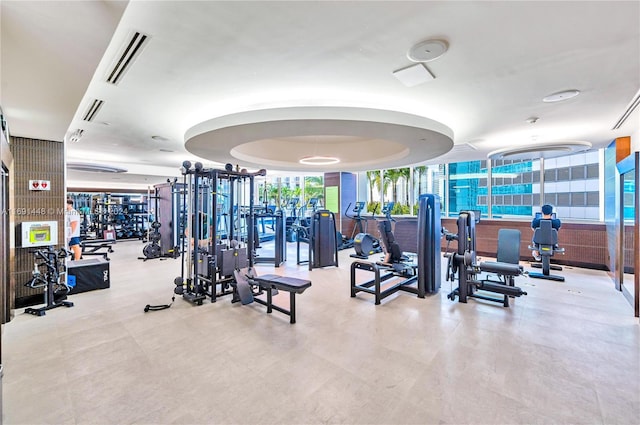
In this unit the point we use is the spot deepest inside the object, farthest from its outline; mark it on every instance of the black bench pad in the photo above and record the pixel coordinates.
(284, 283)
(506, 269)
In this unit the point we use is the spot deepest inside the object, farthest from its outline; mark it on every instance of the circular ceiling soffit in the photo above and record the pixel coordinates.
(359, 138)
(94, 168)
(427, 50)
(543, 150)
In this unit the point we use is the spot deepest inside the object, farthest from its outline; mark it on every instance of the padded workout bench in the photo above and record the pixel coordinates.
(94, 247)
(291, 285)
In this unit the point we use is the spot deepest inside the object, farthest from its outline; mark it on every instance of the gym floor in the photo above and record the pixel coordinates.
(566, 353)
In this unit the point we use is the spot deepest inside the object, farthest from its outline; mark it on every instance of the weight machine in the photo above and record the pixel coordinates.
(209, 262)
(463, 267)
(419, 277)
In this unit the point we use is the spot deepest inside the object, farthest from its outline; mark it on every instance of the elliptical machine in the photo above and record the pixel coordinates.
(50, 274)
(358, 228)
(364, 243)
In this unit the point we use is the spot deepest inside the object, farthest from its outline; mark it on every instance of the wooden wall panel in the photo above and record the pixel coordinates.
(36, 160)
(585, 244)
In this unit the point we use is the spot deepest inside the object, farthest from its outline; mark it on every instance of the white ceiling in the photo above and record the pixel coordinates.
(243, 81)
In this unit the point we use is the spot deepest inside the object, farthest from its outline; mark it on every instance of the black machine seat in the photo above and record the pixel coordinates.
(545, 241)
(507, 265)
(283, 283)
(546, 237)
(502, 269)
(507, 257)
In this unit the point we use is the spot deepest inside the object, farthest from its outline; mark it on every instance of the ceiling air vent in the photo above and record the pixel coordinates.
(93, 110)
(130, 49)
(630, 108)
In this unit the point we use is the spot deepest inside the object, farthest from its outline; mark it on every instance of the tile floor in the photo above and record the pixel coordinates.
(567, 353)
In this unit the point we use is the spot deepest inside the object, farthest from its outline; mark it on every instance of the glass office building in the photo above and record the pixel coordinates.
(510, 188)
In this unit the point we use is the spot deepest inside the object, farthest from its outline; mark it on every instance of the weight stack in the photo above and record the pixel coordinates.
(429, 252)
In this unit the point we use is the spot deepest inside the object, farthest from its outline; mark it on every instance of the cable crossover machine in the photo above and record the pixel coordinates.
(220, 240)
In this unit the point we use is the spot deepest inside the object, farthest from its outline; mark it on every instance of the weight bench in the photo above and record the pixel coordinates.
(94, 247)
(271, 284)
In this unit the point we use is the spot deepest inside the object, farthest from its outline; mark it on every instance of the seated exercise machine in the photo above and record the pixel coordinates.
(463, 267)
(545, 241)
(53, 280)
(418, 278)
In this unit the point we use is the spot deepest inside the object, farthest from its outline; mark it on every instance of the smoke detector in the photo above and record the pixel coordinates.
(427, 50)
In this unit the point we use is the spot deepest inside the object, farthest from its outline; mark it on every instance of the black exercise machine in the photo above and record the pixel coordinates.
(387, 207)
(50, 274)
(421, 277)
(462, 266)
(204, 268)
(323, 241)
(365, 244)
(344, 242)
(545, 241)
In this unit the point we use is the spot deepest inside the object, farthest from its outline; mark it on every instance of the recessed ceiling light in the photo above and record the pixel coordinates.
(319, 160)
(560, 96)
(165, 150)
(427, 50)
(159, 138)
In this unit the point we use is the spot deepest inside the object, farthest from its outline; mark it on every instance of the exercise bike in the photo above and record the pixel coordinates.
(50, 274)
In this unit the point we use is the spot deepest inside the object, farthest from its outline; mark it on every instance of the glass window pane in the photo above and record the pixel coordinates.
(593, 171)
(374, 188)
(535, 202)
(511, 187)
(428, 179)
(550, 198)
(577, 169)
(563, 200)
(563, 174)
(396, 189)
(550, 175)
(578, 172)
(578, 199)
(466, 185)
